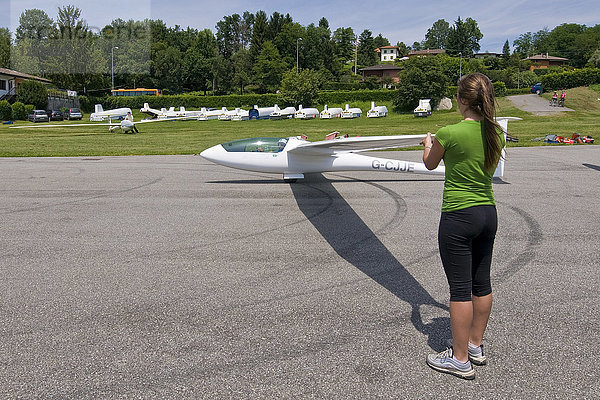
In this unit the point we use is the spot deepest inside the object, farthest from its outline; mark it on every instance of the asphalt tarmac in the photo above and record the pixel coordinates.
(171, 277)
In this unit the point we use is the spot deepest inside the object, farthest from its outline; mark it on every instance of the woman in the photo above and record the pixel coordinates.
(471, 150)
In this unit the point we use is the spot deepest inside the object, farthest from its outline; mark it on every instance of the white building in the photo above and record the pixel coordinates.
(388, 53)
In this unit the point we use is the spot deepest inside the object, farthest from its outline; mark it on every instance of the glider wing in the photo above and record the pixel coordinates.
(357, 144)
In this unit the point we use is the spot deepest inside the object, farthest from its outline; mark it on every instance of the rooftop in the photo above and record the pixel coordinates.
(17, 74)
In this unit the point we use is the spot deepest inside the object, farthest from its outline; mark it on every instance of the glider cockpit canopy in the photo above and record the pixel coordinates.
(261, 144)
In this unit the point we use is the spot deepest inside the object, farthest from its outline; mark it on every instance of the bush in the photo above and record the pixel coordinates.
(18, 111)
(300, 88)
(418, 84)
(5, 111)
(29, 108)
(84, 104)
(571, 79)
(33, 92)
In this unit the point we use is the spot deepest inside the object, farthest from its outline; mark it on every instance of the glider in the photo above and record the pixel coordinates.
(295, 156)
(125, 125)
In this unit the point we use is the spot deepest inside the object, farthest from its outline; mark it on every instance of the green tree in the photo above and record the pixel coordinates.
(425, 78)
(33, 92)
(594, 60)
(524, 45)
(380, 41)
(464, 37)
(197, 62)
(437, 36)
(344, 42)
(229, 35)
(300, 88)
(286, 41)
(418, 84)
(259, 34)
(5, 47)
(34, 24)
(366, 49)
(506, 50)
(242, 69)
(268, 68)
(403, 49)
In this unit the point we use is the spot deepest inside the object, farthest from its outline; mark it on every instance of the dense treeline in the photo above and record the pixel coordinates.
(253, 52)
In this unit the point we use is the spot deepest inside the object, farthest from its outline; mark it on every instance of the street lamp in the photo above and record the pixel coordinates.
(297, 65)
(112, 67)
(460, 63)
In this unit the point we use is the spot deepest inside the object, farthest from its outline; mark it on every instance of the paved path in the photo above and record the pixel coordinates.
(170, 277)
(535, 104)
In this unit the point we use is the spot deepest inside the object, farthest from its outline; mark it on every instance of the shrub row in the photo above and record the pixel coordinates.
(185, 100)
(500, 90)
(349, 96)
(18, 111)
(512, 92)
(571, 79)
(230, 101)
(335, 86)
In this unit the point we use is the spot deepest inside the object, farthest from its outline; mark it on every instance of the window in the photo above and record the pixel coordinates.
(2, 84)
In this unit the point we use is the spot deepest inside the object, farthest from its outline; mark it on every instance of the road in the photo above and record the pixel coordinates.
(170, 277)
(535, 104)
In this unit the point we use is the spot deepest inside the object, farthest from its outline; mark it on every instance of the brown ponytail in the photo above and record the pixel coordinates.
(477, 92)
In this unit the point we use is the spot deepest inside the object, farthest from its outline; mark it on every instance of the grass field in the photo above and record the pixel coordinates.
(191, 137)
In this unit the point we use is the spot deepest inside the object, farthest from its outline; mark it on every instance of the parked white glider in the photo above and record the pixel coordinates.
(285, 113)
(329, 113)
(125, 125)
(293, 156)
(100, 114)
(169, 113)
(306, 113)
(354, 112)
(377, 111)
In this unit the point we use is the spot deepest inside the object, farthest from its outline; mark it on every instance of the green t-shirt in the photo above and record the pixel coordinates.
(467, 183)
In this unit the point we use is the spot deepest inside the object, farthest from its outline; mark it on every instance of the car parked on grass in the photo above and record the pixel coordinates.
(73, 113)
(55, 115)
(537, 89)
(38, 116)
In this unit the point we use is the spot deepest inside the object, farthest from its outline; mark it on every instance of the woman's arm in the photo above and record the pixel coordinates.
(433, 152)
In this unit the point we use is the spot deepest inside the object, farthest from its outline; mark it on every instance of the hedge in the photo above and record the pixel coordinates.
(232, 101)
(187, 101)
(348, 96)
(570, 79)
(5, 111)
(499, 90)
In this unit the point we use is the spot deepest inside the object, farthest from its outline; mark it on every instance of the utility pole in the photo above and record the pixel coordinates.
(355, 55)
(460, 63)
(112, 67)
(297, 64)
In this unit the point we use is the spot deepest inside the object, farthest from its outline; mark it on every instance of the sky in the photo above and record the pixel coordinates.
(398, 21)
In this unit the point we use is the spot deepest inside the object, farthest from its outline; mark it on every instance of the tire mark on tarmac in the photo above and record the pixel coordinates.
(534, 240)
(104, 194)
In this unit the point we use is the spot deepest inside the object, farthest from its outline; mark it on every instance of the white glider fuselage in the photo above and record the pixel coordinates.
(294, 164)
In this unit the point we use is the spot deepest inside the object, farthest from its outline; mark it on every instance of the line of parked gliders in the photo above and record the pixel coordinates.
(274, 113)
(575, 138)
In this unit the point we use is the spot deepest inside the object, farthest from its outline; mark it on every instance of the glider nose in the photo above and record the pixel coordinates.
(214, 154)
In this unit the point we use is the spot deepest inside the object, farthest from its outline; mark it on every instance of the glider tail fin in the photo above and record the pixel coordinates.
(503, 122)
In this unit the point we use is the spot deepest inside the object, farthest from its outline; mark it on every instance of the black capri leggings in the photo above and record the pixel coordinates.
(466, 240)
